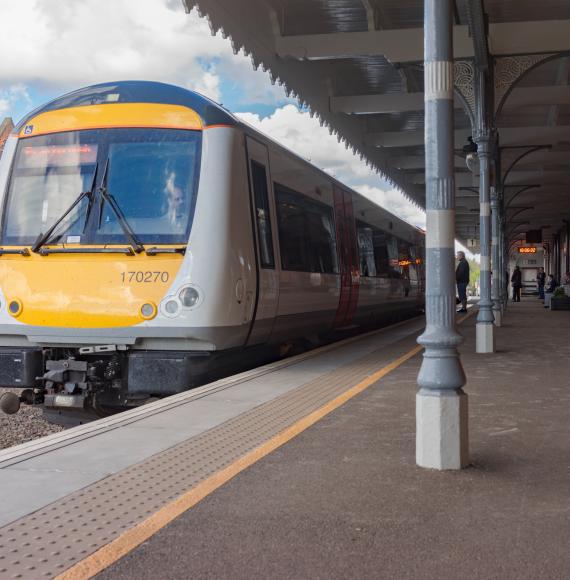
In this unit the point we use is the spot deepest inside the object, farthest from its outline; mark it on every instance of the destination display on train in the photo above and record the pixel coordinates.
(527, 250)
(36, 156)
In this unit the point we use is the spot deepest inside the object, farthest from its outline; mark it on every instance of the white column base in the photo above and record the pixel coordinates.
(498, 314)
(484, 338)
(442, 430)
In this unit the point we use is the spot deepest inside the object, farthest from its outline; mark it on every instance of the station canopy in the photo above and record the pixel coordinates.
(358, 66)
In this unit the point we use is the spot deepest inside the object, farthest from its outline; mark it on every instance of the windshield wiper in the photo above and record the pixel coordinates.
(43, 238)
(127, 250)
(154, 251)
(125, 226)
(21, 251)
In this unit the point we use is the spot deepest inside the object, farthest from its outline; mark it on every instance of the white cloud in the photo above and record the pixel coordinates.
(62, 43)
(394, 201)
(59, 46)
(302, 134)
(65, 45)
(255, 85)
(207, 83)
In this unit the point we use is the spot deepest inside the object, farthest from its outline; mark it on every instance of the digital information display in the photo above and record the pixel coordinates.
(41, 156)
(527, 250)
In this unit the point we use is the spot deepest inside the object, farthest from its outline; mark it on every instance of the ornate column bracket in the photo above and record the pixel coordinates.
(509, 70)
(464, 85)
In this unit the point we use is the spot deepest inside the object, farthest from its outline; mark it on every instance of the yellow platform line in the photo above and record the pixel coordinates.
(135, 536)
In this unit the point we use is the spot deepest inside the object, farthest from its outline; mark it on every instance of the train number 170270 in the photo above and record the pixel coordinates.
(145, 277)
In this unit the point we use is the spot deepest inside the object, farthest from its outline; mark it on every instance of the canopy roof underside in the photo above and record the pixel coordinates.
(358, 65)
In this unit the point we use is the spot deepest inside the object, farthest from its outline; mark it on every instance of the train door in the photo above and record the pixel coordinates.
(348, 254)
(264, 225)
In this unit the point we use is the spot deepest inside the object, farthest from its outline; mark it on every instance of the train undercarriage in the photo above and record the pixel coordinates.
(98, 381)
(77, 385)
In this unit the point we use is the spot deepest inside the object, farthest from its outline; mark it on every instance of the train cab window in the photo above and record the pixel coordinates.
(153, 179)
(49, 174)
(306, 233)
(262, 215)
(152, 175)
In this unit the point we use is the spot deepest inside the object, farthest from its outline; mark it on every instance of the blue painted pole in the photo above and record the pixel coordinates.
(441, 404)
(496, 256)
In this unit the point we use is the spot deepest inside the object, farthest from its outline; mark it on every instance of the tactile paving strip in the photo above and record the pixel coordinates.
(54, 538)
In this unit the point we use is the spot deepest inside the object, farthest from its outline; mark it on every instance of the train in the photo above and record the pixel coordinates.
(151, 240)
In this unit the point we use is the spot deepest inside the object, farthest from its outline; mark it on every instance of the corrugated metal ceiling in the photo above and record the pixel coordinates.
(255, 25)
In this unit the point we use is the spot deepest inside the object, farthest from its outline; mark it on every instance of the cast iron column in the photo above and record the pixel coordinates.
(504, 264)
(496, 256)
(441, 404)
(484, 331)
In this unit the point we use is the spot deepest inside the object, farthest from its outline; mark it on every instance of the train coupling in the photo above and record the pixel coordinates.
(70, 377)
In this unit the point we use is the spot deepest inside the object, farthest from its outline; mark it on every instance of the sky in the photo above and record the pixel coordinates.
(50, 47)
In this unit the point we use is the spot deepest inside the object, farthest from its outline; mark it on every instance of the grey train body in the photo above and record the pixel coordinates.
(278, 251)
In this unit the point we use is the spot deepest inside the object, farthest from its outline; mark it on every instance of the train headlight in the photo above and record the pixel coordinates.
(189, 296)
(15, 307)
(148, 310)
(171, 307)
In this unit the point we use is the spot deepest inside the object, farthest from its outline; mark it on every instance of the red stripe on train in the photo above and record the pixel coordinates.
(348, 256)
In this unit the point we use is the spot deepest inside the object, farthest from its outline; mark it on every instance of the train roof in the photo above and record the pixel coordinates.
(210, 112)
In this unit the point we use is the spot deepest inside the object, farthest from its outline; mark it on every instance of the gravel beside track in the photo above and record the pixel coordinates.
(25, 425)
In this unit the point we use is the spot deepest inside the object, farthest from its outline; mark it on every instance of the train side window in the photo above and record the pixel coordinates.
(365, 235)
(413, 265)
(306, 233)
(262, 217)
(381, 258)
(393, 257)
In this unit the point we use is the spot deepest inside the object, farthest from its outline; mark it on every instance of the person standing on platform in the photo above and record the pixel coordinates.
(462, 280)
(552, 284)
(516, 281)
(541, 281)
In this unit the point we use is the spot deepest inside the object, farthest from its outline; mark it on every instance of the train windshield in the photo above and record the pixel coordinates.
(152, 175)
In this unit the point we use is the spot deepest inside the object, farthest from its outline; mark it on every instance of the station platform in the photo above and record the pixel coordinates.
(306, 468)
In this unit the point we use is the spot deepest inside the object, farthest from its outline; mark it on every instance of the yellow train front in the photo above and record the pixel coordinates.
(99, 305)
(150, 241)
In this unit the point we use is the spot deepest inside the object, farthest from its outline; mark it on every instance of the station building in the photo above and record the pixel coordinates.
(6, 127)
